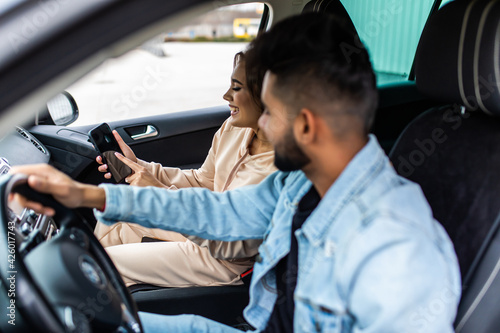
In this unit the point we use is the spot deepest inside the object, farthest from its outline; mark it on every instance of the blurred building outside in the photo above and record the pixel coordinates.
(232, 22)
(185, 69)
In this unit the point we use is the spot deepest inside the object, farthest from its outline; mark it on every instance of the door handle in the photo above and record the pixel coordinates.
(149, 132)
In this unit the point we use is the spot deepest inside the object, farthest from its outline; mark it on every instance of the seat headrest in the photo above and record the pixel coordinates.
(334, 7)
(458, 57)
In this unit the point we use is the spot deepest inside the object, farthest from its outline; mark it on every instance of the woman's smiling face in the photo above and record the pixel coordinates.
(244, 111)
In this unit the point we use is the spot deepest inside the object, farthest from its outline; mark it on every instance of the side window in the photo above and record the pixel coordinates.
(391, 30)
(180, 70)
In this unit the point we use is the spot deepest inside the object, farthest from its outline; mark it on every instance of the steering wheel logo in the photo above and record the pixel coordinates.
(92, 271)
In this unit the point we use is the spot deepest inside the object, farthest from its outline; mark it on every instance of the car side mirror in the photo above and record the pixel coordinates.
(63, 109)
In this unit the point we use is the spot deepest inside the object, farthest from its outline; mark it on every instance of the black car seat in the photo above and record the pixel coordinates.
(224, 304)
(334, 7)
(453, 152)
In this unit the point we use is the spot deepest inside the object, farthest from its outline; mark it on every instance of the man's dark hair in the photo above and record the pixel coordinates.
(320, 64)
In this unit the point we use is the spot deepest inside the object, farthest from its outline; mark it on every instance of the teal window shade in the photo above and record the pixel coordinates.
(390, 29)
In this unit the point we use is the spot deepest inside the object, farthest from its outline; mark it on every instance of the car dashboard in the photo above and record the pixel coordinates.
(17, 148)
(21, 147)
(31, 229)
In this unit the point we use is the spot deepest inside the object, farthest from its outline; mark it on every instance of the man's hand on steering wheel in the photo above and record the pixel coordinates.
(71, 281)
(46, 179)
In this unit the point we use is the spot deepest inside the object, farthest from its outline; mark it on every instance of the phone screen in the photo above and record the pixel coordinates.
(105, 143)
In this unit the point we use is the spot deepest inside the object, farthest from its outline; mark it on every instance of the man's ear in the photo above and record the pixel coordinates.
(305, 126)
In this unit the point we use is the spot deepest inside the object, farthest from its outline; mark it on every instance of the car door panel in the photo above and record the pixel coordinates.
(182, 140)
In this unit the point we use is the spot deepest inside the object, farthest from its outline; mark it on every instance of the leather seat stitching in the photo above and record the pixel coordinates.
(461, 54)
(477, 47)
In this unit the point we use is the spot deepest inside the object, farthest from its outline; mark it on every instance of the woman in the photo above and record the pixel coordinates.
(240, 155)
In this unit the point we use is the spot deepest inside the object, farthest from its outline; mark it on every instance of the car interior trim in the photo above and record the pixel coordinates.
(31, 139)
(497, 54)
(265, 19)
(434, 9)
(479, 297)
(480, 30)
(461, 55)
(150, 132)
(482, 252)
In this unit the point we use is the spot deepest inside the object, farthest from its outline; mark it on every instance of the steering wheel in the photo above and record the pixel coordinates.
(65, 284)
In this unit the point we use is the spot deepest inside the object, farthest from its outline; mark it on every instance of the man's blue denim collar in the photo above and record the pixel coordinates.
(367, 162)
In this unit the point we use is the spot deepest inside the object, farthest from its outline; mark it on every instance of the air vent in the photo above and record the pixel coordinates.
(23, 133)
(30, 138)
(38, 146)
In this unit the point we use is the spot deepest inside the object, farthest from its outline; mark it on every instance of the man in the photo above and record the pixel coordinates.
(349, 246)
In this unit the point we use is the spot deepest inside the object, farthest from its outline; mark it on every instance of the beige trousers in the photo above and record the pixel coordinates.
(176, 262)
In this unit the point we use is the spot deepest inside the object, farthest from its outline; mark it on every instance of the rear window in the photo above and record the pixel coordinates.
(390, 29)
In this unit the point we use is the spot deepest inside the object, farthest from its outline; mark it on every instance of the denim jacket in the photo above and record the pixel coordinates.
(371, 256)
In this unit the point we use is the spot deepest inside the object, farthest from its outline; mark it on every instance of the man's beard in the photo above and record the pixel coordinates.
(291, 157)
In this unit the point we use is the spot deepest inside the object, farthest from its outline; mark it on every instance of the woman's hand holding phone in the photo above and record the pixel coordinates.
(127, 151)
(105, 143)
(140, 176)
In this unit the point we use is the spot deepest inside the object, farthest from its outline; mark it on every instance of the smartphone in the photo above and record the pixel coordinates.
(106, 145)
